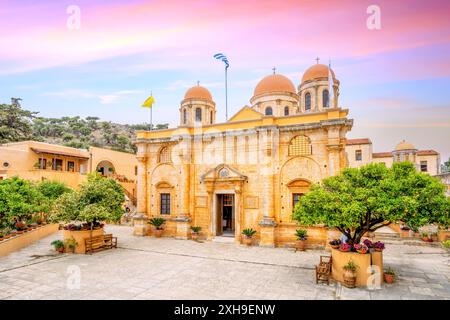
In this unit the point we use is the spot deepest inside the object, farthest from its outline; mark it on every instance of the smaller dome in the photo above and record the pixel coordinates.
(274, 83)
(404, 146)
(198, 92)
(317, 71)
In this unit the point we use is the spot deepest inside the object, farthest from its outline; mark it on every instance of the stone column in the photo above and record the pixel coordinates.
(140, 219)
(334, 148)
(238, 212)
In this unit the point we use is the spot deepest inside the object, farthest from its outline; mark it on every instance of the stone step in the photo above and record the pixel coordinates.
(223, 239)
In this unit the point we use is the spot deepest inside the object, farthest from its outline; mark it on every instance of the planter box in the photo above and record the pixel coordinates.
(443, 235)
(25, 239)
(79, 237)
(363, 261)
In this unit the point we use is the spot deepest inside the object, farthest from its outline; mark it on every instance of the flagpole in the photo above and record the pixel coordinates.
(151, 113)
(226, 94)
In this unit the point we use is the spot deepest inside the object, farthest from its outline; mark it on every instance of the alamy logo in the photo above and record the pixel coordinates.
(74, 20)
(374, 20)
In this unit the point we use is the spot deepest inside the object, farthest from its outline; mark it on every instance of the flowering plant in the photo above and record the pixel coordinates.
(368, 243)
(361, 248)
(378, 246)
(345, 247)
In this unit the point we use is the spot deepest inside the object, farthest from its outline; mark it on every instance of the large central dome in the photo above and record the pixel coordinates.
(274, 83)
(198, 92)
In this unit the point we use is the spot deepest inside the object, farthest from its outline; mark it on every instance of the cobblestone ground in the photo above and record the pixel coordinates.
(166, 268)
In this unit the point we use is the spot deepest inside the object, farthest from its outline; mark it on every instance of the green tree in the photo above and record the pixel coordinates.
(98, 199)
(446, 166)
(362, 200)
(15, 123)
(52, 189)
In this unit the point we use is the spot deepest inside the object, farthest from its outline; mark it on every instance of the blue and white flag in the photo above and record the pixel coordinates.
(222, 57)
(330, 87)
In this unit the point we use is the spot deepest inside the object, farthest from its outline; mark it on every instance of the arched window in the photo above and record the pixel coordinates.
(184, 116)
(164, 155)
(198, 114)
(268, 111)
(211, 117)
(300, 146)
(307, 101)
(286, 111)
(325, 99)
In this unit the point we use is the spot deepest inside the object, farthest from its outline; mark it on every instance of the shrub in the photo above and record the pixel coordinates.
(350, 266)
(301, 234)
(196, 229)
(157, 223)
(249, 232)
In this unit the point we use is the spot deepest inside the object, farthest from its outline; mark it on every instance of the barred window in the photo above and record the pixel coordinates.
(198, 114)
(325, 99)
(184, 116)
(286, 111)
(358, 155)
(165, 203)
(300, 146)
(164, 155)
(269, 111)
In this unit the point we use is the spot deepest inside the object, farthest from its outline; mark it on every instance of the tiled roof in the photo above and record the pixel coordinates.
(427, 152)
(358, 141)
(381, 154)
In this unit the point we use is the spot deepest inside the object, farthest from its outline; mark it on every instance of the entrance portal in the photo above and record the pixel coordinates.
(225, 215)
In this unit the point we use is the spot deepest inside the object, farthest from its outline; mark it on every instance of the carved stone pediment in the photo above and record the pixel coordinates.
(223, 172)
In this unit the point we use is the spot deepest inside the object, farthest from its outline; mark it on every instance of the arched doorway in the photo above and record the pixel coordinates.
(105, 168)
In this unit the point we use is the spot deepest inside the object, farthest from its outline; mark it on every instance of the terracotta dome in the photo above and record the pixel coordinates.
(404, 146)
(317, 71)
(198, 92)
(274, 83)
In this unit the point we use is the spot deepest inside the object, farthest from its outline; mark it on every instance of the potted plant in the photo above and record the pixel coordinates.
(335, 243)
(157, 223)
(378, 246)
(425, 237)
(195, 231)
(350, 274)
(58, 245)
(433, 236)
(21, 227)
(361, 248)
(302, 236)
(368, 243)
(70, 244)
(389, 276)
(345, 247)
(248, 236)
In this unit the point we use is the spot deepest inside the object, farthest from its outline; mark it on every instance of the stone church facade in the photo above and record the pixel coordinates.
(249, 171)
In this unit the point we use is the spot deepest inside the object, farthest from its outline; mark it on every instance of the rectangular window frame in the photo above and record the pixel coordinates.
(358, 155)
(164, 203)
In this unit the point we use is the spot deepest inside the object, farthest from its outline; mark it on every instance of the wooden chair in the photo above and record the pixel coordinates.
(323, 270)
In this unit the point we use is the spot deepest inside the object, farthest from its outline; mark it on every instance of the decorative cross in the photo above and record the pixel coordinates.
(317, 59)
(274, 69)
(198, 83)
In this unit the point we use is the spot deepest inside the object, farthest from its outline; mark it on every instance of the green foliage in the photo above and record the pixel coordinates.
(196, 229)
(57, 244)
(364, 199)
(446, 244)
(98, 199)
(19, 199)
(70, 243)
(157, 222)
(445, 167)
(249, 232)
(350, 266)
(15, 123)
(52, 189)
(390, 271)
(301, 234)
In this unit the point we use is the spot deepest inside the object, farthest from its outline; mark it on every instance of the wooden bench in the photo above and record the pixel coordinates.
(323, 270)
(98, 243)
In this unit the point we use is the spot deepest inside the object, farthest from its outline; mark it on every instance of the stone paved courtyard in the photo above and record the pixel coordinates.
(148, 268)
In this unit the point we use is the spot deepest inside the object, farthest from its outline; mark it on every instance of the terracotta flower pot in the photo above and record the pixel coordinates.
(60, 250)
(1, 238)
(442, 235)
(20, 232)
(377, 249)
(248, 240)
(194, 236)
(349, 278)
(300, 245)
(389, 278)
(7, 236)
(335, 246)
(158, 233)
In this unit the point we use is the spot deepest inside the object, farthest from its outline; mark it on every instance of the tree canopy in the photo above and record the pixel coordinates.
(98, 199)
(15, 123)
(364, 199)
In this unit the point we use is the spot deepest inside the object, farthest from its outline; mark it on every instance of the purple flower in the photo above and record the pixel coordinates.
(368, 243)
(378, 245)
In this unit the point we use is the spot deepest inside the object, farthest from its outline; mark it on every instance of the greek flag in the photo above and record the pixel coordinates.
(222, 57)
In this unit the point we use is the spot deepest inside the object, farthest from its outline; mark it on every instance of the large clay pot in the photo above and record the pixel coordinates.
(389, 278)
(158, 233)
(349, 278)
(442, 235)
(300, 245)
(194, 236)
(248, 240)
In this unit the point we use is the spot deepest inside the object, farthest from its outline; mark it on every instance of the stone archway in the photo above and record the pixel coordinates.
(105, 168)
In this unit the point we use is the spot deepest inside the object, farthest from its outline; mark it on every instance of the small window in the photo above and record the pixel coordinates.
(42, 163)
(135, 170)
(57, 165)
(164, 155)
(211, 117)
(307, 101)
(268, 111)
(358, 155)
(286, 111)
(325, 99)
(5, 164)
(296, 199)
(165, 203)
(70, 166)
(184, 116)
(423, 166)
(198, 114)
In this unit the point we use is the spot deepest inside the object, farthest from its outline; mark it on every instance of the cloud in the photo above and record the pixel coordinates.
(106, 98)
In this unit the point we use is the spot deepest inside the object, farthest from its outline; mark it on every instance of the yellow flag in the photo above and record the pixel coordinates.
(149, 102)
